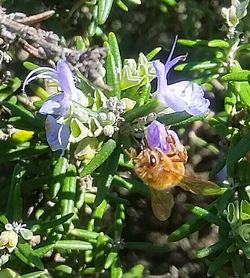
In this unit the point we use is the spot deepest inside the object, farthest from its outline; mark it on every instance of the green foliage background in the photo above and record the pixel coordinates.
(98, 232)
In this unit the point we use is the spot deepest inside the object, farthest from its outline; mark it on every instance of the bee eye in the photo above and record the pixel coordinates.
(152, 160)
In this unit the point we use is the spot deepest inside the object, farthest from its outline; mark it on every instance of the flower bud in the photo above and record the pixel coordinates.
(86, 149)
(108, 130)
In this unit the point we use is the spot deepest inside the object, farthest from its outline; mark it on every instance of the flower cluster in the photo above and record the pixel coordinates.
(68, 116)
(75, 116)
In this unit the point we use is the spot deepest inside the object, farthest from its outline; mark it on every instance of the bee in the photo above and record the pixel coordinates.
(163, 171)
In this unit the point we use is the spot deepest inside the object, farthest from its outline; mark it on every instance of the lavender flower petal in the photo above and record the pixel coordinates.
(41, 72)
(180, 96)
(57, 134)
(52, 105)
(65, 77)
(56, 106)
(161, 76)
(156, 136)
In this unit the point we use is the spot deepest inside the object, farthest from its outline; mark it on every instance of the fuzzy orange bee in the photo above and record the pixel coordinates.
(161, 165)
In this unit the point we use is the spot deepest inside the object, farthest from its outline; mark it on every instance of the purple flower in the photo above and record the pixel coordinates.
(157, 137)
(57, 134)
(56, 106)
(180, 96)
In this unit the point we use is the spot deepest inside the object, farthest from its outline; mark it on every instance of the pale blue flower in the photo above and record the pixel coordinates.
(56, 107)
(180, 96)
(157, 136)
(57, 134)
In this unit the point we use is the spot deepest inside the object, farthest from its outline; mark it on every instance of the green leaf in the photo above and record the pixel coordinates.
(9, 273)
(111, 74)
(141, 111)
(14, 204)
(110, 259)
(68, 193)
(136, 2)
(238, 151)
(219, 43)
(239, 75)
(99, 158)
(192, 43)
(52, 223)
(114, 48)
(134, 272)
(73, 245)
(3, 219)
(58, 176)
(243, 90)
(39, 91)
(108, 171)
(92, 27)
(179, 118)
(25, 115)
(240, 88)
(192, 225)
(169, 2)
(219, 262)
(119, 220)
(36, 274)
(26, 250)
(153, 53)
(233, 213)
(12, 86)
(100, 252)
(30, 66)
(79, 42)
(99, 212)
(245, 246)
(210, 217)
(132, 185)
(103, 11)
(214, 43)
(121, 5)
(244, 210)
(30, 151)
(64, 269)
(116, 269)
(41, 251)
(224, 200)
(238, 266)
(192, 66)
(220, 245)
(83, 234)
(244, 232)
(230, 99)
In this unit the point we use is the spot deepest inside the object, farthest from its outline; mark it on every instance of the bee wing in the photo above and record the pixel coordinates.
(200, 187)
(162, 203)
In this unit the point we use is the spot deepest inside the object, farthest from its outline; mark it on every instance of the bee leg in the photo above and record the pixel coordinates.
(180, 157)
(131, 153)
